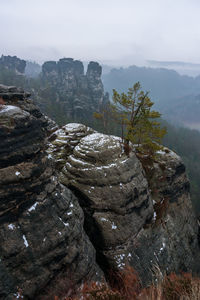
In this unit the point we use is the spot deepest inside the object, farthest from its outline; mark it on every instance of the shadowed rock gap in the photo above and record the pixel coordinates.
(92, 230)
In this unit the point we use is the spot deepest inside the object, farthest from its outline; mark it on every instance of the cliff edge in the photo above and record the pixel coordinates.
(83, 207)
(138, 211)
(41, 230)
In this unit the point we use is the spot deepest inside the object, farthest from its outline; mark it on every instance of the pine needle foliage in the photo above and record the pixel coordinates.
(139, 123)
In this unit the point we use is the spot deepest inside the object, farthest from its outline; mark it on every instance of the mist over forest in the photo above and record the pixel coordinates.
(176, 96)
(99, 150)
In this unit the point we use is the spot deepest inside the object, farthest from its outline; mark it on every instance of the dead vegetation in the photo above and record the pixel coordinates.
(2, 103)
(126, 285)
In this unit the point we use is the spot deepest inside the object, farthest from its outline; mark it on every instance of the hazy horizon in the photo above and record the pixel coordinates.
(110, 32)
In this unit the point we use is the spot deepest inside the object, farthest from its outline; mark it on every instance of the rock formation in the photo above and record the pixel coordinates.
(137, 214)
(41, 232)
(62, 90)
(134, 211)
(13, 63)
(172, 236)
(74, 95)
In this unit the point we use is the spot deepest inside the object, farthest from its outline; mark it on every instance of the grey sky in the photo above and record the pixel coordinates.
(110, 31)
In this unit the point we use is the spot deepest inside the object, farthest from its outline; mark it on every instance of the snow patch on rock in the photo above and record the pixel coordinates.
(33, 207)
(25, 241)
(11, 226)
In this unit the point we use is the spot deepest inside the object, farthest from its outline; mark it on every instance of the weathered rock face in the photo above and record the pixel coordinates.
(95, 85)
(41, 232)
(12, 95)
(13, 63)
(63, 141)
(76, 95)
(172, 237)
(135, 213)
(129, 220)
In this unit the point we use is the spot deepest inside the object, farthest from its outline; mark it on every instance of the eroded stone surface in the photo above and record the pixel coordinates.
(76, 95)
(172, 236)
(129, 220)
(41, 230)
(133, 215)
(13, 63)
(112, 190)
(63, 141)
(16, 97)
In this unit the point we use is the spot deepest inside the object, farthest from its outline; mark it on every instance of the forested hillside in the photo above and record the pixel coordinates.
(186, 143)
(176, 96)
(183, 141)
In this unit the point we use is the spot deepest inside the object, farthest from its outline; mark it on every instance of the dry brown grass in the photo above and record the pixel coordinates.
(173, 287)
(2, 103)
(126, 285)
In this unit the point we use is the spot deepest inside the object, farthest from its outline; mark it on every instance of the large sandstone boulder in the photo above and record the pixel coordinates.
(135, 213)
(41, 232)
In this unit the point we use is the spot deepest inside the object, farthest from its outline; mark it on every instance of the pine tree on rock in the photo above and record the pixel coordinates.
(139, 124)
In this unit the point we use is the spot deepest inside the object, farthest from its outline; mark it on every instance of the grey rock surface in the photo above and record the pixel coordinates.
(14, 96)
(41, 232)
(62, 142)
(13, 63)
(172, 236)
(137, 212)
(99, 207)
(75, 95)
(112, 191)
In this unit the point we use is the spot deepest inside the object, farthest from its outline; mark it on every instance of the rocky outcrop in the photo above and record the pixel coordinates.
(12, 95)
(32, 69)
(62, 142)
(41, 232)
(95, 85)
(74, 95)
(172, 236)
(13, 63)
(137, 214)
(132, 211)
(111, 185)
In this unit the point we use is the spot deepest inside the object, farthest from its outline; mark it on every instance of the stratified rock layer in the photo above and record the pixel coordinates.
(41, 232)
(74, 95)
(14, 96)
(63, 141)
(172, 236)
(112, 190)
(12, 63)
(129, 220)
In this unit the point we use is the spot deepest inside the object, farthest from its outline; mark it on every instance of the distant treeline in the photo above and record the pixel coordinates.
(183, 141)
(176, 96)
(186, 143)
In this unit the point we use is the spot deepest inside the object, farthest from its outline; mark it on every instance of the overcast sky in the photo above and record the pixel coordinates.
(111, 31)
